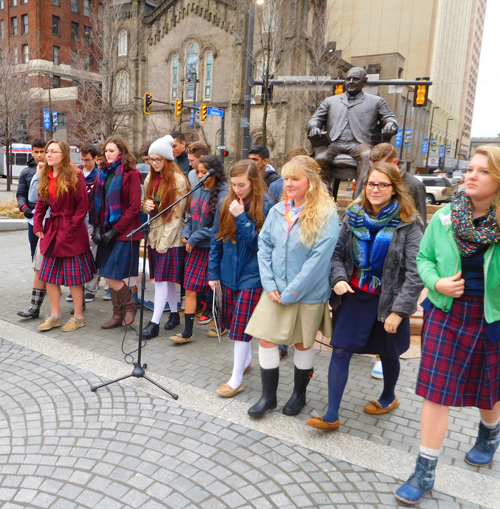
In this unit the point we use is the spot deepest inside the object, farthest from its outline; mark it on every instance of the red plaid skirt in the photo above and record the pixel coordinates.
(68, 270)
(460, 366)
(166, 266)
(237, 308)
(196, 270)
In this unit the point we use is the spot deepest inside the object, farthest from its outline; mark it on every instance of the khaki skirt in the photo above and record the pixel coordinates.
(289, 325)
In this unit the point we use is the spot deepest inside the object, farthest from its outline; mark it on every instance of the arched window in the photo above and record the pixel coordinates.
(261, 68)
(175, 77)
(122, 87)
(122, 43)
(208, 76)
(191, 71)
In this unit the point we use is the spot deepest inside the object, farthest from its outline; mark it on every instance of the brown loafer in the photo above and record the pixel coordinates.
(318, 423)
(73, 324)
(179, 339)
(50, 324)
(226, 391)
(375, 408)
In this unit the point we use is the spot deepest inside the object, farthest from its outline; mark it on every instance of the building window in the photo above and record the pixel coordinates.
(24, 2)
(2, 29)
(86, 62)
(13, 3)
(100, 66)
(56, 26)
(208, 76)
(57, 3)
(175, 77)
(122, 43)
(261, 68)
(86, 8)
(13, 26)
(56, 81)
(74, 31)
(191, 71)
(122, 87)
(74, 59)
(86, 35)
(74, 5)
(24, 24)
(26, 53)
(2, 4)
(62, 123)
(56, 55)
(101, 12)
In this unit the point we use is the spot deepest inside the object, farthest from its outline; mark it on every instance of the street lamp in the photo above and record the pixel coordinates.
(245, 121)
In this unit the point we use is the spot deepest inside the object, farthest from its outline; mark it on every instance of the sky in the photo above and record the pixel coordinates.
(486, 119)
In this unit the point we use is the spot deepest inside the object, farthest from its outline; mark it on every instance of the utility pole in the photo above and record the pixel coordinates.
(434, 108)
(245, 121)
(50, 109)
(404, 126)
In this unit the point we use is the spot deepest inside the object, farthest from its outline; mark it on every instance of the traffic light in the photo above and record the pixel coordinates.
(339, 89)
(421, 93)
(203, 112)
(148, 101)
(178, 108)
(225, 153)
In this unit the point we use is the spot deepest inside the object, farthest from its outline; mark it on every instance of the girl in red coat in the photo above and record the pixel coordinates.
(114, 214)
(64, 239)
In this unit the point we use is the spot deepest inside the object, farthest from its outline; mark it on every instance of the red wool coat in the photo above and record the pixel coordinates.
(130, 204)
(65, 233)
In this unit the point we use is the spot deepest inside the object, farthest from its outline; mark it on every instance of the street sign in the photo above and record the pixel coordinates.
(215, 112)
(441, 150)
(448, 150)
(221, 147)
(433, 145)
(395, 89)
(398, 138)
(55, 121)
(191, 118)
(425, 145)
(408, 133)
(46, 120)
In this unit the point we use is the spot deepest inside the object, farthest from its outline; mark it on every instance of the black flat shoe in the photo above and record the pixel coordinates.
(173, 321)
(151, 330)
(29, 313)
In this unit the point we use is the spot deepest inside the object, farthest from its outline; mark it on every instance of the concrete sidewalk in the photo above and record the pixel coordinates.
(377, 452)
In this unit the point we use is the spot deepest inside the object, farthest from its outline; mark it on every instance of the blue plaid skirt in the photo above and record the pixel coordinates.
(237, 308)
(167, 266)
(118, 260)
(68, 270)
(196, 270)
(460, 366)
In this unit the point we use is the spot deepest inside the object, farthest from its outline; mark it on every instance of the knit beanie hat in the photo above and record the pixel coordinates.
(163, 147)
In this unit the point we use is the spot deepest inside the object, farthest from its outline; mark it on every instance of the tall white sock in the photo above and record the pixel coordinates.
(269, 358)
(430, 454)
(304, 359)
(249, 355)
(161, 293)
(172, 296)
(240, 356)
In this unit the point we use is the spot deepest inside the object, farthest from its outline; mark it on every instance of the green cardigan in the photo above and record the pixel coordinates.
(439, 257)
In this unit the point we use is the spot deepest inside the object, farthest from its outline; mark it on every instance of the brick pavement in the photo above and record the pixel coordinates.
(204, 364)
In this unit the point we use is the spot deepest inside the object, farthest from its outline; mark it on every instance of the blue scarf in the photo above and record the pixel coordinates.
(371, 240)
(112, 203)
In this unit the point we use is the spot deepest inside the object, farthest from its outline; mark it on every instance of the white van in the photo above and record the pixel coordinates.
(20, 153)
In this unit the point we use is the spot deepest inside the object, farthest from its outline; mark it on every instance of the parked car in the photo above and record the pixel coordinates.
(459, 178)
(437, 188)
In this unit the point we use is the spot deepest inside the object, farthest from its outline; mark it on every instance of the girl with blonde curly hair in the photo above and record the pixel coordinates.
(296, 244)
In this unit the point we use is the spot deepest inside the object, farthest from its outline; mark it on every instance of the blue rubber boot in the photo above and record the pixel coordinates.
(486, 444)
(420, 482)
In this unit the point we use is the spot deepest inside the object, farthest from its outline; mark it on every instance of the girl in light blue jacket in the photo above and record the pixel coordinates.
(296, 244)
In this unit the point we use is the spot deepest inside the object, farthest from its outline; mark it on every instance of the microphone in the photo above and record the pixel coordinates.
(209, 174)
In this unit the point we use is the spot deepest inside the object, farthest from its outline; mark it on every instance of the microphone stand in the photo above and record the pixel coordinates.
(139, 371)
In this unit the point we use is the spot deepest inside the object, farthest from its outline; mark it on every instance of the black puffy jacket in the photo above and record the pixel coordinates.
(23, 185)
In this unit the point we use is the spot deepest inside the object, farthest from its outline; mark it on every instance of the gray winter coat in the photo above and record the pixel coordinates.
(401, 284)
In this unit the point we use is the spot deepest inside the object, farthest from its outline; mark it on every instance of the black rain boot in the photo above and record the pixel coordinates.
(151, 330)
(33, 311)
(268, 399)
(298, 399)
(173, 321)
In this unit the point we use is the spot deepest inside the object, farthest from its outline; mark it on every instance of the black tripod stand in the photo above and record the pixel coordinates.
(138, 371)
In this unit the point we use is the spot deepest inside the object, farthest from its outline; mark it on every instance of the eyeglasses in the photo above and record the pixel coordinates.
(153, 160)
(382, 186)
(52, 152)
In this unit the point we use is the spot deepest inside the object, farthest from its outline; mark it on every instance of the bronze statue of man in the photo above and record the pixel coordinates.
(354, 122)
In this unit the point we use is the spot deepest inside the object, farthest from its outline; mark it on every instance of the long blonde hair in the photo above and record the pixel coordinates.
(492, 152)
(318, 206)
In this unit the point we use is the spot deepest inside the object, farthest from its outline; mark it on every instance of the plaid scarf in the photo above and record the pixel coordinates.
(371, 240)
(112, 208)
(469, 237)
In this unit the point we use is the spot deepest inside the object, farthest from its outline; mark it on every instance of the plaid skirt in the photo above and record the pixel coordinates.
(196, 270)
(68, 270)
(460, 366)
(237, 308)
(166, 266)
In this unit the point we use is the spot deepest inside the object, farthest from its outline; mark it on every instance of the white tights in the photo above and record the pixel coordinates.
(164, 291)
(242, 358)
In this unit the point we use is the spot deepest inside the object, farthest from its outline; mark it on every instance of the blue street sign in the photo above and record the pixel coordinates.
(408, 138)
(46, 120)
(215, 112)
(398, 139)
(191, 119)
(441, 150)
(433, 144)
(425, 145)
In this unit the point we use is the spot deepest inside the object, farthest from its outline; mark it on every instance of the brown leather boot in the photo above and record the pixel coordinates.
(117, 318)
(130, 307)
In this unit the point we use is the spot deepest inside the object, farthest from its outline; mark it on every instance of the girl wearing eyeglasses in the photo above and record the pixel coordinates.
(164, 185)
(64, 239)
(376, 287)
